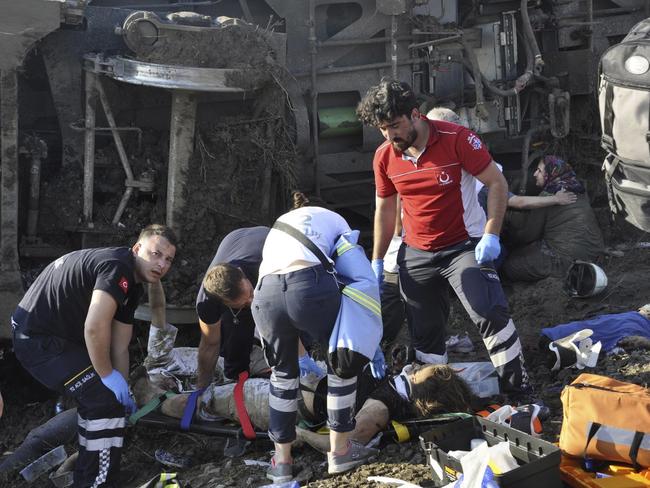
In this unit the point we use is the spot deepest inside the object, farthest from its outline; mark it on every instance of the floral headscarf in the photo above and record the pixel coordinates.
(559, 175)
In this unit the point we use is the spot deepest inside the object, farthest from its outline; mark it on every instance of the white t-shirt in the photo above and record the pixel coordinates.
(322, 226)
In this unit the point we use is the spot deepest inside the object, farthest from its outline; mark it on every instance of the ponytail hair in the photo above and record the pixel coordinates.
(299, 200)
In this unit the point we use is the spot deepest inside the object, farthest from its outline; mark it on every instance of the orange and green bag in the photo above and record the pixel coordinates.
(606, 419)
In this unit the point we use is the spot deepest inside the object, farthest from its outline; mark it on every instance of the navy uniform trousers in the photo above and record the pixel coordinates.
(65, 367)
(424, 278)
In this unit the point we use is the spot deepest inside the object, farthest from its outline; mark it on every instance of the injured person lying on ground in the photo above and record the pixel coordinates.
(418, 392)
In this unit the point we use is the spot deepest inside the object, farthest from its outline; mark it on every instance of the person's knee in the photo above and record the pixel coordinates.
(493, 319)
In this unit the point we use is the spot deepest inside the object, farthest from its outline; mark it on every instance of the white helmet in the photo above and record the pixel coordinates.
(585, 279)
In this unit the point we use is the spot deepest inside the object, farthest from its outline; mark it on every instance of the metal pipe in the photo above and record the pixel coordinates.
(89, 147)
(120, 151)
(116, 134)
(181, 145)
(393, 45)
(481, 111)
(525, 160)
(360, 67)
(75, 127)
(529, 35)
(435, 42)
(9, 178)
(418, 32)
(313, 50)
(34, 195)
(360, 42)
(37, 150)
(122, 206)
(604, 12)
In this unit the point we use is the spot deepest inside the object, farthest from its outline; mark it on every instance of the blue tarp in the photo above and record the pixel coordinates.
(608, 329)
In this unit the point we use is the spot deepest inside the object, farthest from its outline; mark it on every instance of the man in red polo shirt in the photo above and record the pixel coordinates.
(447, 239)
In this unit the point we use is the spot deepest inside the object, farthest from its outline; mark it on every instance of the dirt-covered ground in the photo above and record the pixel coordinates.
(533, 306)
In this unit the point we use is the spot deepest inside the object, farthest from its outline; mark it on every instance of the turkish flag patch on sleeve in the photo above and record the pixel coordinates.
(124, 284)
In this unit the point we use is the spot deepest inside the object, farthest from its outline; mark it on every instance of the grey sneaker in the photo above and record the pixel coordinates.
(356, 456)
(279, 473)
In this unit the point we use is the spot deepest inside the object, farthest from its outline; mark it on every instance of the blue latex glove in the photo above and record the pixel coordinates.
(117, 384)
(487, 249)
(378, 268)
(308, 365)
(378, 364)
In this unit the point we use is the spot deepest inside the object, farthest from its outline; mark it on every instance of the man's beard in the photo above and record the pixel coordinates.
(402, 145)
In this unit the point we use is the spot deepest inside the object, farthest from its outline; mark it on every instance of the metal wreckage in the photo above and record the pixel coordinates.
(130, 101)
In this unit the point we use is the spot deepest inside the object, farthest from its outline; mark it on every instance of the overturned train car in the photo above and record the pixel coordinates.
(200, 110)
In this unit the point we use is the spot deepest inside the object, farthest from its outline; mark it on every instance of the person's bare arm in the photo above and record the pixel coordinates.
(208, 352)
(385, 214)
(497, 187)
(371, 419)
(562, 197)
(398, 218)
(97, 331)
(120, 337)
(157, 304)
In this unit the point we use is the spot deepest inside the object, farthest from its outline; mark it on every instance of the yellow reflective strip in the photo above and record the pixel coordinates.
(323, 431)
(402, 432)
(344, 247)
(363, 299)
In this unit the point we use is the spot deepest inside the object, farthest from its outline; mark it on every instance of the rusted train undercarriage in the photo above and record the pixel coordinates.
(82, 78)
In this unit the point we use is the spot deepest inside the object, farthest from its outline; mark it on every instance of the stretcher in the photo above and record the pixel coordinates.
(220, 427)
(150, 416)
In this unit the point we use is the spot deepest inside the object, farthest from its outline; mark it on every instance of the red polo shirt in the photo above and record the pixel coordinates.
(438, 193)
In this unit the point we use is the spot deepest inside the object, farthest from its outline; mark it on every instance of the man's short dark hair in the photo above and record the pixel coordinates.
(223, 282)
(159, 230)
(386, 101)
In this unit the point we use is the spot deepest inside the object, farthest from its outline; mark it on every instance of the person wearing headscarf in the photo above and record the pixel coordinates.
(556, 175)
(545, 241)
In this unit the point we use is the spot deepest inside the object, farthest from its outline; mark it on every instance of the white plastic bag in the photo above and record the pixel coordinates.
(481, 377)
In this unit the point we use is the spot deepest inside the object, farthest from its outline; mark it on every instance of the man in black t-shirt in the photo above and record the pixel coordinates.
(72, 330)
(223, 304)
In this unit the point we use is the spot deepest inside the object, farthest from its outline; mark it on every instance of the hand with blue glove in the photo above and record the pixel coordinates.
(487, 249)
(308, 365)
(378, 268)
(378, 365)
(117, 384)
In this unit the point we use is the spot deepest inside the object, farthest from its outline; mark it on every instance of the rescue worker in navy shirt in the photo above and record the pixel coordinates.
(72, 330)
(223, 306)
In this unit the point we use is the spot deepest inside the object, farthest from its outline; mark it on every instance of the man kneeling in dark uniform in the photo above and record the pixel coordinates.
(72, 330)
